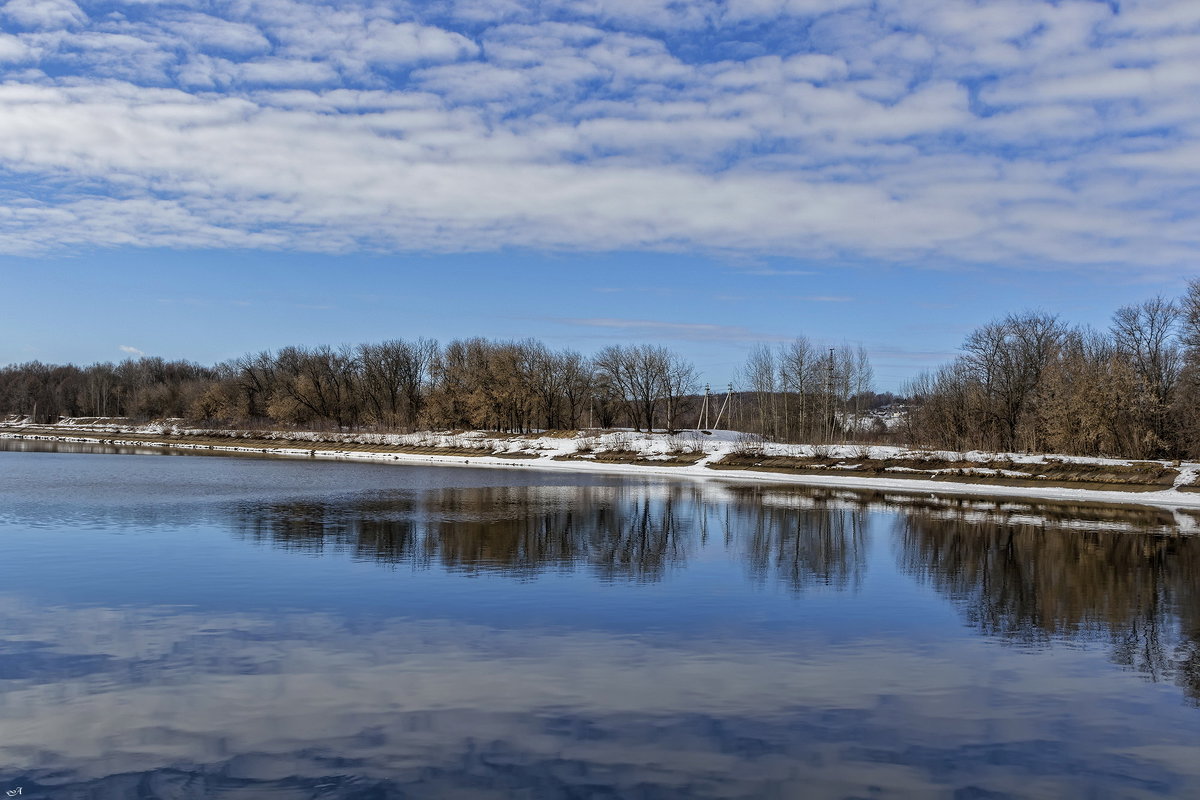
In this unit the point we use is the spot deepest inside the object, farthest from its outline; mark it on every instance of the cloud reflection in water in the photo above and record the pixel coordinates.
(117, 700)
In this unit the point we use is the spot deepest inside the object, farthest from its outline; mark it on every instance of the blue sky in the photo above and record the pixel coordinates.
(202, 179)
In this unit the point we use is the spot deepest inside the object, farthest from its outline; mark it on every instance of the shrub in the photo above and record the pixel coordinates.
(748, 444)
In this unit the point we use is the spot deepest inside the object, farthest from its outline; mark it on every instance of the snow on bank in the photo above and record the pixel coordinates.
(545, 452)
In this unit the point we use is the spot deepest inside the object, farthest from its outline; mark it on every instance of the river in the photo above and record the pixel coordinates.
(235, 627)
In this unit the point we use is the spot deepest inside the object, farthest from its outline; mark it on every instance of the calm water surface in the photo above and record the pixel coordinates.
(193, 627)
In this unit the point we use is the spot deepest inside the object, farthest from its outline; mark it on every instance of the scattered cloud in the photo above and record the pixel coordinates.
(1057, 134)
(133, 351)
(44, 14)
(825, 298)
(776, 272)
(891, 353)
(685, 331)
(12, 49)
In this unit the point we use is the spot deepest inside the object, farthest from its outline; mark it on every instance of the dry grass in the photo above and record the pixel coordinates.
(1144, 476)
(266, 444)
(634, 457)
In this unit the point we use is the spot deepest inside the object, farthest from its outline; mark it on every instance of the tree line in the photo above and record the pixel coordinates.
(400, 385)
(1030, 382)
(1026, 382)
(799, 392)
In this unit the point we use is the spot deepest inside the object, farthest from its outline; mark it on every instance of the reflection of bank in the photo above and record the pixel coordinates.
(1034, 579)
(257, 700)
(620, 532)
(1030, 572)
(805, 547)
(1060, 515)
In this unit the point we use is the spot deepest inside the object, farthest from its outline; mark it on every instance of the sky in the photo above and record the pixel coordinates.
(204, 179)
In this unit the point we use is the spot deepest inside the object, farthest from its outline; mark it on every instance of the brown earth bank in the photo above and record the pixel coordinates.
(1050, 472)
(258, 441)
(633, 457)
(252, 442)
(1141, 476)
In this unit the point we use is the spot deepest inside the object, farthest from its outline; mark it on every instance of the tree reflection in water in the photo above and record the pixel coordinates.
(801, 543)
(1024, 574)
(623, 532)
(620, 532)
(713, 688)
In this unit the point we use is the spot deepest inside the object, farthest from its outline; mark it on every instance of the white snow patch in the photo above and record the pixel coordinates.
(659, 446)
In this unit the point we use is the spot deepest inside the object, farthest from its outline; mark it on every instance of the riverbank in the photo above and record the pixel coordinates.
(723, 455)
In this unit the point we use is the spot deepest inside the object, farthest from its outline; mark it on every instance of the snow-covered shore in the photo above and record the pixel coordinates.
(586, 451)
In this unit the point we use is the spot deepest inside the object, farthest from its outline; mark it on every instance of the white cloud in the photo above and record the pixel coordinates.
(287, 72)
(492, 11)
(212, 33)
(389, 43)
(767, 272)
(913, 132)
(13, 49)
(45, 14)
(668, 14)
(133, 351)
(685, 331)
(350, 34)
(738, 10)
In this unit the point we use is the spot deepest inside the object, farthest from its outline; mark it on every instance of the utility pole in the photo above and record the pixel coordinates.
(729, 399)
(717, 424)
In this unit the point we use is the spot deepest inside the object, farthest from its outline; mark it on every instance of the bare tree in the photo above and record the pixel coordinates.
(578, 385)
(863, 376)
(679, 382)
(760, 377)
(255, 381)
(798, 365)
(1007, 358)
(1145, 335)
(318, 384)
(395, 377)
(548, 379)
(1187, 399)
(647, 377)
